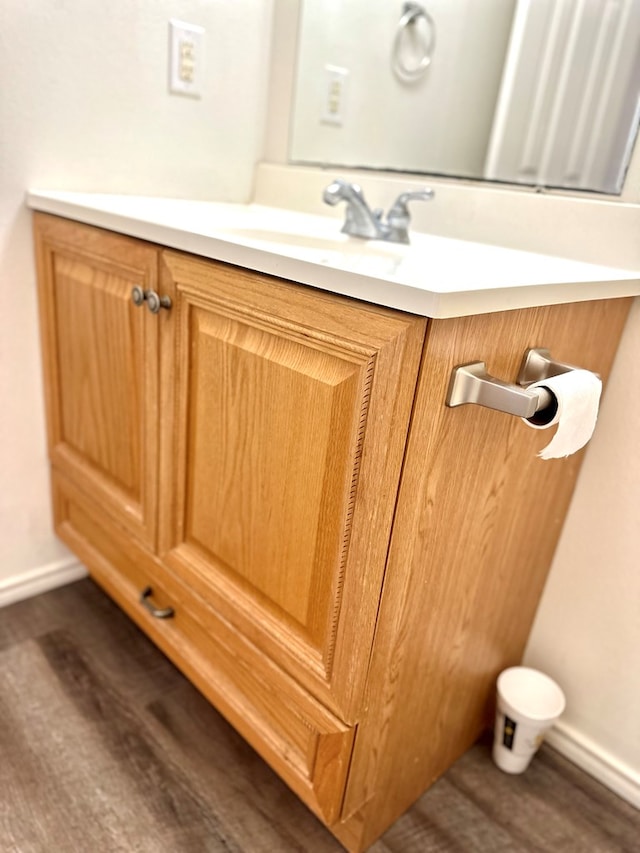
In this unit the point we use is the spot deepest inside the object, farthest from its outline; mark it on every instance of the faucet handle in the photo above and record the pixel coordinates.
(340, 189)
(400, 204)
(398, 218)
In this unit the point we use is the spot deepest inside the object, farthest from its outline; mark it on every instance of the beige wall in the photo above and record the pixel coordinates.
(85, 106)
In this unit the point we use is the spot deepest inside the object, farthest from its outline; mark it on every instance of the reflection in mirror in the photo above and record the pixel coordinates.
(539, 92)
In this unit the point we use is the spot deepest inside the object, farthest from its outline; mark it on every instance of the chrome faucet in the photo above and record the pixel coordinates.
(361, 221)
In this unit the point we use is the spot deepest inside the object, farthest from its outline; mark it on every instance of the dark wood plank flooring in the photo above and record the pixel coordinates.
(104, 747)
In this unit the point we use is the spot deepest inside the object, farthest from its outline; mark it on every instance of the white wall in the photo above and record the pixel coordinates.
(84, 106)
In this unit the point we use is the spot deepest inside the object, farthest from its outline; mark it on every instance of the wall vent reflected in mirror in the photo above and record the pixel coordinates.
(537, 92)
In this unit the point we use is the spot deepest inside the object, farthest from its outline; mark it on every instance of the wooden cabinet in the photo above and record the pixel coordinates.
(250, 437)
(347, 564)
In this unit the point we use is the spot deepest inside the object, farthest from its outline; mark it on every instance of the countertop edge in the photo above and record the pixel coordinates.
(380, 291)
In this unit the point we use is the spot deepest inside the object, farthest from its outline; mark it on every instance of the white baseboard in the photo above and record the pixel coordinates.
(597, 762)
(41, 579)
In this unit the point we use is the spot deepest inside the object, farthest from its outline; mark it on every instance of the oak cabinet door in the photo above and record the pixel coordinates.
(281, 456)
(100, 362)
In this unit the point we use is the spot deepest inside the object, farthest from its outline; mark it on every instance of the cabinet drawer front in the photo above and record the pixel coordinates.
(100, 359)
(283, 462)
(306, 745)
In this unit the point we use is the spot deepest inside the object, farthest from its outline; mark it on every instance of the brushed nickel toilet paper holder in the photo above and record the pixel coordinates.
(470, 383)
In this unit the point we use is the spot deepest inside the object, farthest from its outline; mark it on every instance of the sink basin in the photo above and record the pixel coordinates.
(337, 242)
(318, 240)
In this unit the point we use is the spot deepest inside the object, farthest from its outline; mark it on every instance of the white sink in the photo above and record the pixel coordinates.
(317, 240)
(336, 242)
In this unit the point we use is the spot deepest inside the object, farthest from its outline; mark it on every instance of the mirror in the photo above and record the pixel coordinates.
(538, 92)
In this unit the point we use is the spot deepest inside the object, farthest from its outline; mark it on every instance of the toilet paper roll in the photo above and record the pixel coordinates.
(578, 395)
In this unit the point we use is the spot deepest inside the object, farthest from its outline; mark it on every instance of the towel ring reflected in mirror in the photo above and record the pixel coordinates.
(413, 14)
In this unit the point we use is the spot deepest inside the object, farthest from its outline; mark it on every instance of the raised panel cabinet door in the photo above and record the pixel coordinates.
(100, 356)
(281, 457)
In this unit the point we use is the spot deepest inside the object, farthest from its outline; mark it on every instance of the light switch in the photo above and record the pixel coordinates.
(186, 58)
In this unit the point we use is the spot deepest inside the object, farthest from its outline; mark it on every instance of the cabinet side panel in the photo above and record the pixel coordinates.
(477, 523)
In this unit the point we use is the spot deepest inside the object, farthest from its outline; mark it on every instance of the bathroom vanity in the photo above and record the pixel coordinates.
(265, 476)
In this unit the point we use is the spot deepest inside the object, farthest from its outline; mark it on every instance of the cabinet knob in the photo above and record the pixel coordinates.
(138, 295)
(156, 612)
(155, 302)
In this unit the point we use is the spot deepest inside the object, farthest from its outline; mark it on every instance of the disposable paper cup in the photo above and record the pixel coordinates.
(529, 703)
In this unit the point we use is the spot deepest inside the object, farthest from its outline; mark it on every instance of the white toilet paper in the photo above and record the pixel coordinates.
(578, 395)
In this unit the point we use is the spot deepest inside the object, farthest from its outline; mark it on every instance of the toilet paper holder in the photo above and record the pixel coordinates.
(470, 383)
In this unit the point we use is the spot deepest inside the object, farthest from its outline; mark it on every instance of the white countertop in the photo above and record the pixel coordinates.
(434, 276)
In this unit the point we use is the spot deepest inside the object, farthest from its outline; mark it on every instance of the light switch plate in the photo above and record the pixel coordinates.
(186, 58)
(335, 88)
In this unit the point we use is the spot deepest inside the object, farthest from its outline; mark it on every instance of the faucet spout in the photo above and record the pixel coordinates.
(360, 220)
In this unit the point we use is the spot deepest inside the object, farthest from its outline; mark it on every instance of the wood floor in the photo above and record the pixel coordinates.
(105, 747)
